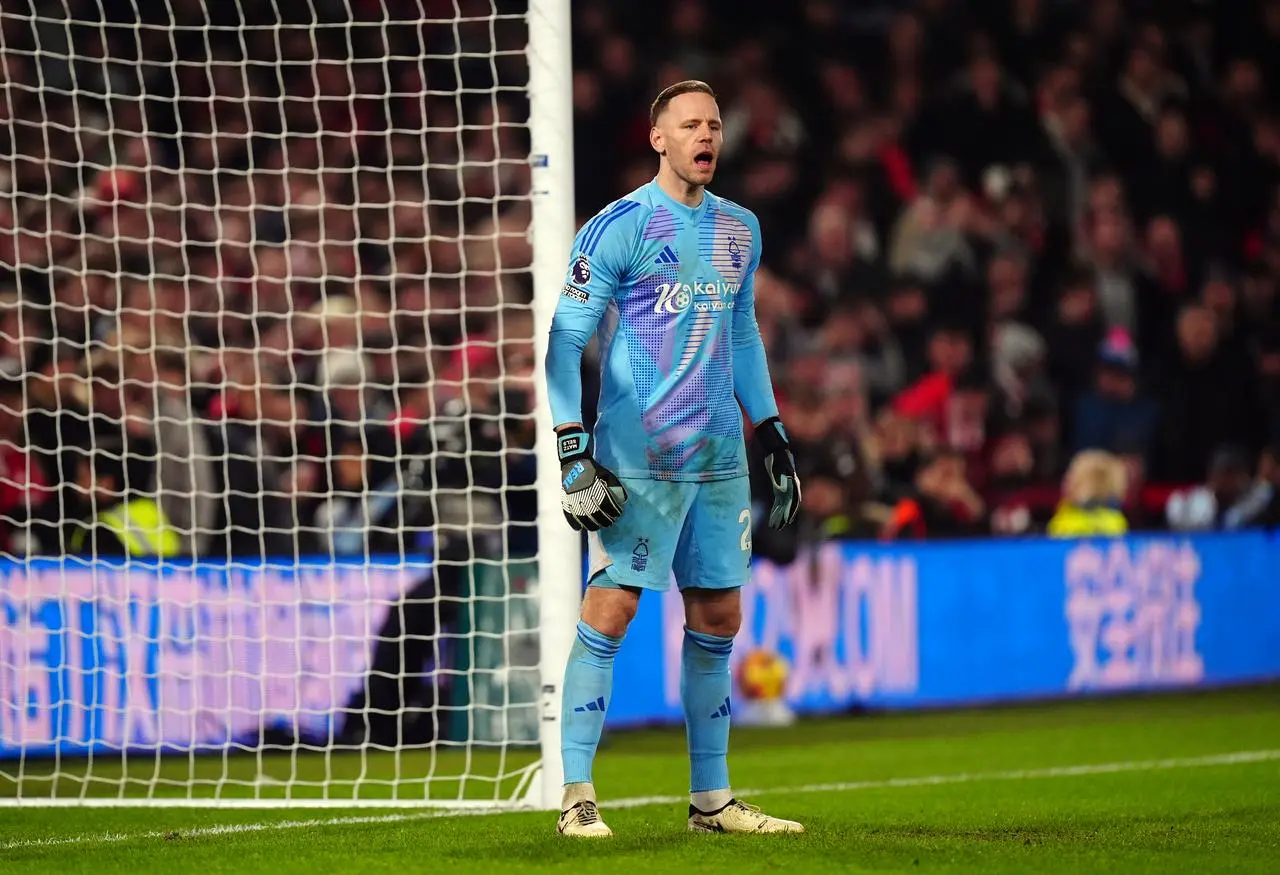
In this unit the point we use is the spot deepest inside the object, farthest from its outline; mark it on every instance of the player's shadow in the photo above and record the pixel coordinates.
(636, 835)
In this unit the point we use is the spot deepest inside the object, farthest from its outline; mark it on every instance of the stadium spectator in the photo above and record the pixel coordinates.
(928, 400)
(943, 503)
(157, 385)
(1074, 331)
(1269, 476)
(1010, 478)
(906, 312)
(1093, 491)
(932, 240)
(1048, 227)
(360, 513)
(1231, 498)
(120, 518)
(1208, 397)
(260, 475)
(1115, 413)
(895, 449)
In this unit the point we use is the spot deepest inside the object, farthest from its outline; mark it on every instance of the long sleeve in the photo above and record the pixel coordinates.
(751, 381)
(598, 264)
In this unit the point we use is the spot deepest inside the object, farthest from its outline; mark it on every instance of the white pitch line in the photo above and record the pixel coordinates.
(235, 828)
(1224, 759)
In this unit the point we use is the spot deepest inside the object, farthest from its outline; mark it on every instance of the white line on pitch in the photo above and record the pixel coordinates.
(1225, 759)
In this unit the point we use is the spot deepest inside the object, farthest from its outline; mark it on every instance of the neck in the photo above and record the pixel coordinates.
(678, 189)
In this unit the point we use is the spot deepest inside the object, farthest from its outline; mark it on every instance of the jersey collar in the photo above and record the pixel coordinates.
(683, 210)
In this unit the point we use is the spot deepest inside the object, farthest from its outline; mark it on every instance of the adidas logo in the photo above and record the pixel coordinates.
(597, 705)
(723, 711)
(667, 256)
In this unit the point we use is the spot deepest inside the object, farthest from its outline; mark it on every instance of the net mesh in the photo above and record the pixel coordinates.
(266, 469)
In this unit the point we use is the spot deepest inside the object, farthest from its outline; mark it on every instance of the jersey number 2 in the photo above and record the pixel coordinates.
(744, 519)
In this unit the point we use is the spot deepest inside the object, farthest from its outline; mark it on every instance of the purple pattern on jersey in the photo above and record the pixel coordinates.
(701, 404)
(661, 226)
(668, 406)
(725, 241)
(655, 330)
(695, 341)
(685, 402)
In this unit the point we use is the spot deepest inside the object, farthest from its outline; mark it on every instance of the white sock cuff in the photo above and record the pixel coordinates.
(584, 791)
(707, 801)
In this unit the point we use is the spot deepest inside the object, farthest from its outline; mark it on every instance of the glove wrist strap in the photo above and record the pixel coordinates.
(572, 444)
(772, 436)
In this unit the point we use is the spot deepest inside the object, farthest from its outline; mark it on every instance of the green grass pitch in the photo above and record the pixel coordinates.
(1159, 784)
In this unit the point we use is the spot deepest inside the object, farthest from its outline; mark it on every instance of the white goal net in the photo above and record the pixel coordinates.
(268, 504)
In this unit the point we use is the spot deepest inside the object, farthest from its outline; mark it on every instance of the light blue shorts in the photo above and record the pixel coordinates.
(701, 532)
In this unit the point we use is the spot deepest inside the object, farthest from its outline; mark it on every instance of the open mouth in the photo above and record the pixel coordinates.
(702, 160)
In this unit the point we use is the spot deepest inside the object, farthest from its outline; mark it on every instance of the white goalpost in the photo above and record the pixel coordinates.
(279, 502)
(554, 224)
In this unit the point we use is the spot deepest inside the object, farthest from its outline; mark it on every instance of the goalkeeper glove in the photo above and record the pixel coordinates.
(781, 466)
(592, 496)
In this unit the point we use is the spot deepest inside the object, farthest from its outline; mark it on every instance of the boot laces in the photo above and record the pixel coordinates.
(588, 813)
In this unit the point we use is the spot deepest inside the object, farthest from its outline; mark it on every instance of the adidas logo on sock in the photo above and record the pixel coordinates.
(597, 705)
(723, 711)
(668, 256)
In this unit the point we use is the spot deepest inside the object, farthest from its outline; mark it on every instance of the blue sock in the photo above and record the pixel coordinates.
(588, 685)
(705, 685)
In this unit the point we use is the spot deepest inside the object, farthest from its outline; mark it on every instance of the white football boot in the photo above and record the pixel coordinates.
(739, 817)
(579, 815)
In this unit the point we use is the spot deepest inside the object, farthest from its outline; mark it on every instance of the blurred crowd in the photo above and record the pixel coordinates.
(264, 282)
(266, 278)
(998, 236)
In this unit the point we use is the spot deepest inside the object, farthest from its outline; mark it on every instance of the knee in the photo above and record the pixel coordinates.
(724, 625)
(609, 611)
(721, 617)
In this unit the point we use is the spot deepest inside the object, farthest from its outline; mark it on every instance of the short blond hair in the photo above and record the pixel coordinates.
(1095, 476)
(671, 92)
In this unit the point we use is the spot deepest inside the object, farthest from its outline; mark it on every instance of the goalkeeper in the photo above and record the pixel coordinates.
(664, 278)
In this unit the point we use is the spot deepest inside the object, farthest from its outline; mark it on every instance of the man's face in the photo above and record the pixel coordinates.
(1077, 305)
(1115, 382)
(949, 352)
(908, 306)
(1006, 279)
(1197, 334)
(689, 133)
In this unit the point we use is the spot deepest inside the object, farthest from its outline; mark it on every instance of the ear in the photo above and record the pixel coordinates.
(657, 140)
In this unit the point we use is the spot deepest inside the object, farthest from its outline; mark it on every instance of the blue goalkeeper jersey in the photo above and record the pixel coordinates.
(668, 291)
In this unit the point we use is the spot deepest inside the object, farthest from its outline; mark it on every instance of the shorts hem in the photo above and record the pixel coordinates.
(614, 578)
(727, 583)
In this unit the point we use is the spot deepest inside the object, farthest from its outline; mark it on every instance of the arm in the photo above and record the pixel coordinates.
(593, 497)
(596, 267)
(751, 381)
(754, 390)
